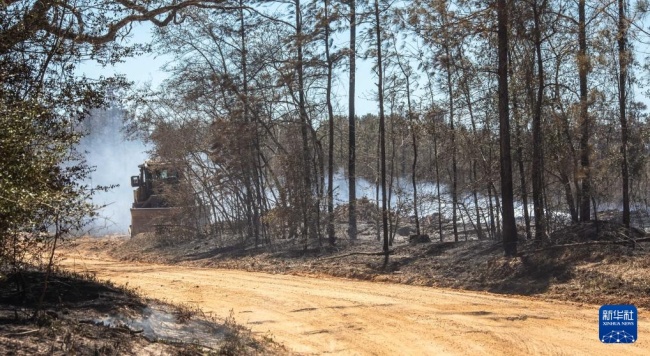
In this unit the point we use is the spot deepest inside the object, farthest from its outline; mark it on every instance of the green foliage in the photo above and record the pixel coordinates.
(32, 181)
(41, 179)
(42, 103)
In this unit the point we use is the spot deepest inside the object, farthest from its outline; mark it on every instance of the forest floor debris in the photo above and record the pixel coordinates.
(79, 315)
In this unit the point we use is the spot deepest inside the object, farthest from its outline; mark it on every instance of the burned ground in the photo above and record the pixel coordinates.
(80, 315)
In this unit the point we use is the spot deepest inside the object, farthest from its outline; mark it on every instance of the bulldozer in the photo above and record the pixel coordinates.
(152, 208)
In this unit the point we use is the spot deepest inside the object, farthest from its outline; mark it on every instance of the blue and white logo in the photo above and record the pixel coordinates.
(617, 324)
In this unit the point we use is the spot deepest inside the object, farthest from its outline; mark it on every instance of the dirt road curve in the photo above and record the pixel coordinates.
(336, 316)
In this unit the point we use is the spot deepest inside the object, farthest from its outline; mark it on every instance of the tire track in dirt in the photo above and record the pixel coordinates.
(345, 317)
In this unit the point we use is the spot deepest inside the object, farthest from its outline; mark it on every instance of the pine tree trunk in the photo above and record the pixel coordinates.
(623, 61)
(382, 131)
(414, 142)
(538, 142)
(330, 150)
(454, 163)
(509, 230)
(352, 188)
(520, 161)
(309, 218)
(583, 70)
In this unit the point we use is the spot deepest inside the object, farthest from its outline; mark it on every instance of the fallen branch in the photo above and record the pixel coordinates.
(589, 243)
(390, 252)
(627, 238)
(120, 328)
(23, 333)
(127, 330)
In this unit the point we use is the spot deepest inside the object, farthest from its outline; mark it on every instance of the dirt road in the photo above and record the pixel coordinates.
(343, 317)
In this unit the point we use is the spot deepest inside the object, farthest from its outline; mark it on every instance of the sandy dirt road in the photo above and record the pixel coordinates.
(343, 317)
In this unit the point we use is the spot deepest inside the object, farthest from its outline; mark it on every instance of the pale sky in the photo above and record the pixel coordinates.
(140, 69)
(147, 69)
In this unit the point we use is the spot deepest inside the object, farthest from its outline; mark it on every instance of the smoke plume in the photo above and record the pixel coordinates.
(115, 159)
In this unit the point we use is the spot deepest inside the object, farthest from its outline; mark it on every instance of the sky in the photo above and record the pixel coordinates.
(139, 69)
(147, 69)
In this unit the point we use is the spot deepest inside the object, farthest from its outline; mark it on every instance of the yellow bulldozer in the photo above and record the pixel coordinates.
(152, 207)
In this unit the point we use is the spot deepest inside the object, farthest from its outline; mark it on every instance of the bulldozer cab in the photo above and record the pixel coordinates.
(154, 179)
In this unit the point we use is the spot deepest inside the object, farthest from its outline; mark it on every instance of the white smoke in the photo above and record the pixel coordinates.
(115, 159)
